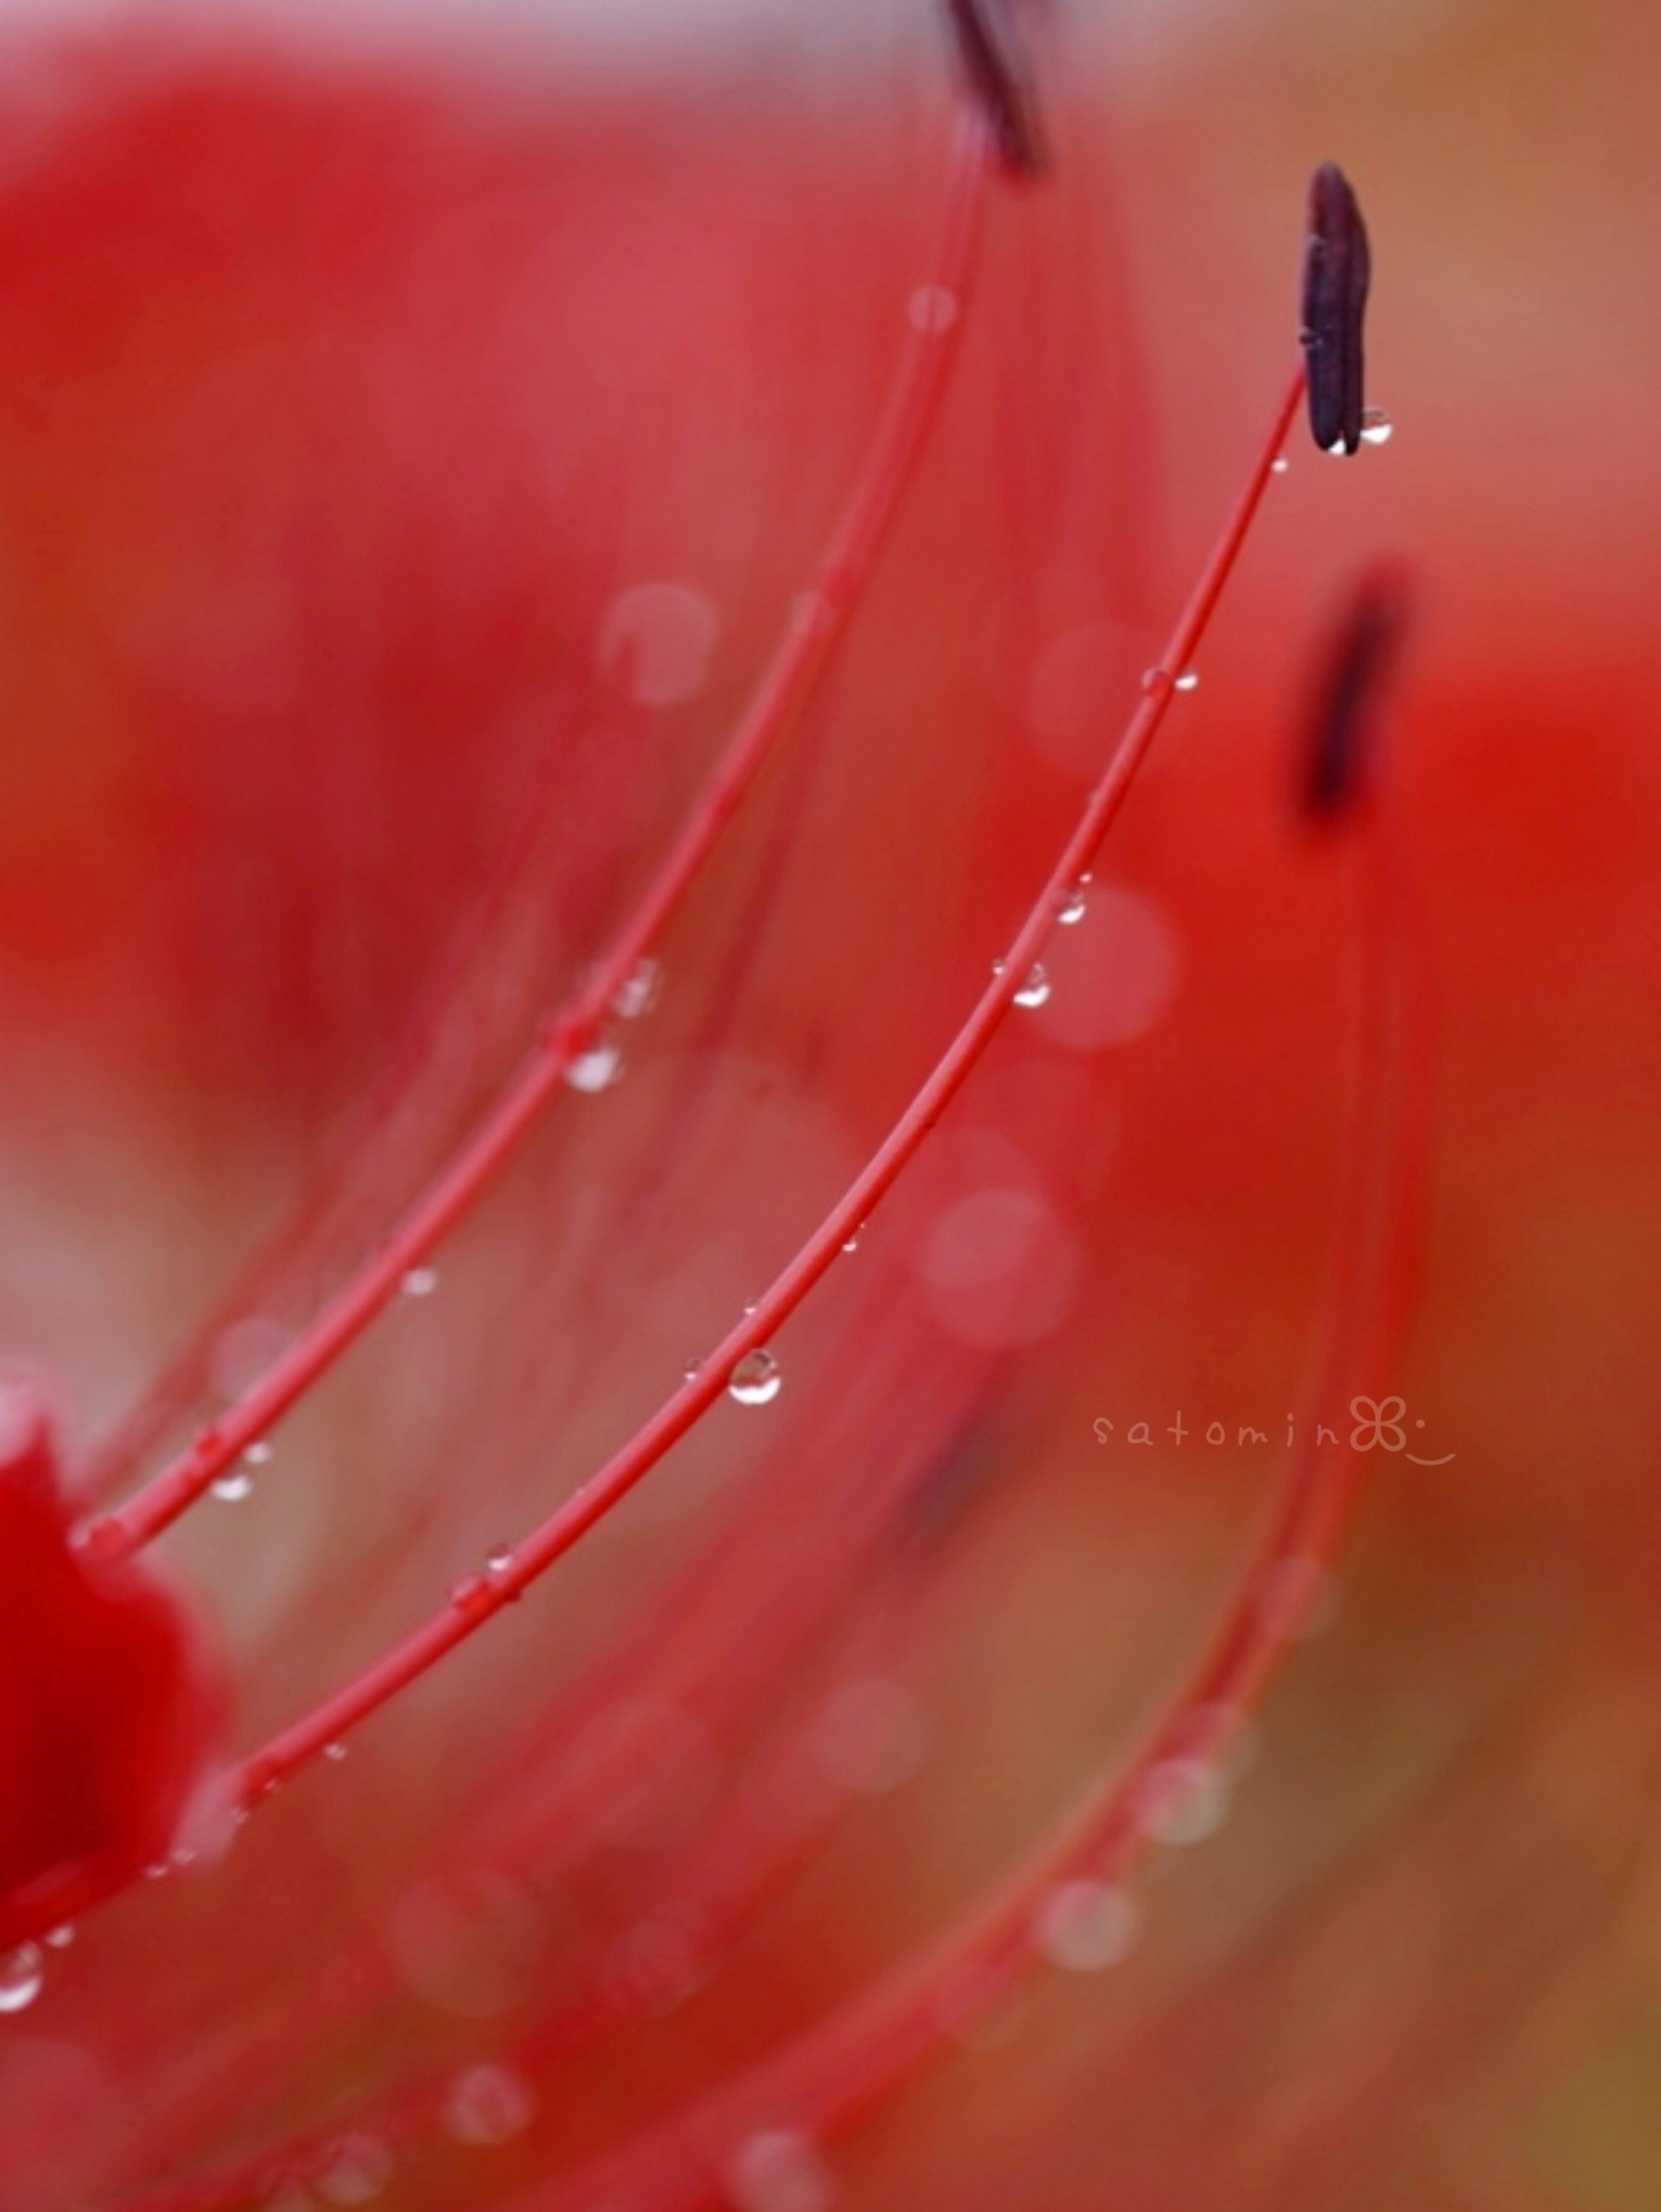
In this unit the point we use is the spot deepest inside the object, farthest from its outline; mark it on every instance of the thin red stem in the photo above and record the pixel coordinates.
(479, 1597)
(821, 620)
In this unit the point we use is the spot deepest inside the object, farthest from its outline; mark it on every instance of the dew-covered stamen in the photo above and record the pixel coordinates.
(569, 1040)
(479, 1598)
(853, 2062)
(1354, 673)
(994, 60)
(1337, 269)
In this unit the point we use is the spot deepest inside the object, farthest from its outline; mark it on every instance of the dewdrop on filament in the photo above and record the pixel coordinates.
(756, 1380)
(1035, 992)
(22, 1973)
(638, 993)
(597, 1068)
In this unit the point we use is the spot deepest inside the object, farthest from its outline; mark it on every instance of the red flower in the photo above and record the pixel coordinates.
(416, 498)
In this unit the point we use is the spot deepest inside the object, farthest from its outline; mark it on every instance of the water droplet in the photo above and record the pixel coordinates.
(1280, 466)
(471, 1595)
(932, 309)
(1376, 428)
(234, 1486)
(1073, 907)
(1035, 992)
(1085, 1926)
(1182, 1801)
(750, 1305)
(780, 2170)
(755, 1381)
(335, 1752)
(261, 1454)
(420, 1283)
(61, 1937)
(1188, 680)
(498, 1558)
(157, 1871)
(692, 1369)
(359, 2169)
(21, 1972)
(1154, 679)
(488, 2106)
(638, 993)
(598, 1068)
(851, 1241)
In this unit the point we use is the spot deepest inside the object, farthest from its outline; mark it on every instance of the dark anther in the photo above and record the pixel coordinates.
(1336, 268)
(1354, 674)
(995, 63)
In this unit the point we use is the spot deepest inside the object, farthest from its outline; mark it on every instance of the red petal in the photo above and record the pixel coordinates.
(108, 1704)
